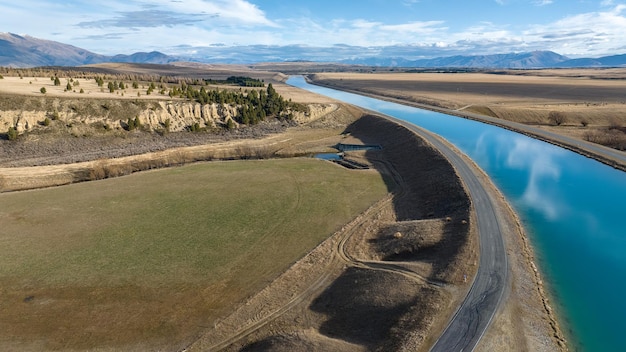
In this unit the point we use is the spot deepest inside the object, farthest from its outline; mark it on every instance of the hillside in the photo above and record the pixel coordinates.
(27, 51)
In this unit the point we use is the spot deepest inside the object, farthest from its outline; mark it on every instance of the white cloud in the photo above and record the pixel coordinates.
(410, 3)
(426, 27)
(241, 11)
(594, 33)
(124, 26)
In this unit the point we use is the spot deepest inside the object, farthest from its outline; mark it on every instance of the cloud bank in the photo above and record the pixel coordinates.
(168, 25)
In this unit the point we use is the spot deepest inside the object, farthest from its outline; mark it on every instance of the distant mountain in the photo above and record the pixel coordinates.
(27, 51)
(18, 51)
(535, 59)
(153, 57)
(606, 61)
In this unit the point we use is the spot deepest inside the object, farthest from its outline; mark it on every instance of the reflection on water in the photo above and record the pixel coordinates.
(539, 159)
(328, 156)
(572, 208)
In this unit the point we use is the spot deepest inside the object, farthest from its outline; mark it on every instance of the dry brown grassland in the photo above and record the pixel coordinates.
(387, 280)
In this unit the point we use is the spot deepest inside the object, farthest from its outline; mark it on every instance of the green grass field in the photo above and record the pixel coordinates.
(154, 258)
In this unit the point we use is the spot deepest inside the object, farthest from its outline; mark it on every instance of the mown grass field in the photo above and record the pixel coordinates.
(149, 260)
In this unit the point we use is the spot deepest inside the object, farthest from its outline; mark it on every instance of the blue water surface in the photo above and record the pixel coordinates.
(573, 208)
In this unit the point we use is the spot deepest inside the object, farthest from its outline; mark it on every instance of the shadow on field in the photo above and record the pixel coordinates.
(375, 309)
(430, 186)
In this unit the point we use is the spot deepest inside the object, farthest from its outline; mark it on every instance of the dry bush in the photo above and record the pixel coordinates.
(615, 123)
(116, 170)
(243, 152)
(246, 151)
(98, 171)
(610, 138)
(102, 169)
(557, 118)
(263, 152)
(179, 157)
(208, 155)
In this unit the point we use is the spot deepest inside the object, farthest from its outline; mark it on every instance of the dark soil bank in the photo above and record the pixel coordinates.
(374, 310)
(431, 188)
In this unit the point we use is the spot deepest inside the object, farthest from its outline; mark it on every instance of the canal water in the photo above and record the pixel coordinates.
(573, 209)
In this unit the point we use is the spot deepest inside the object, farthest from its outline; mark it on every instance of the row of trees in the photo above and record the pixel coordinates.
(241, 81)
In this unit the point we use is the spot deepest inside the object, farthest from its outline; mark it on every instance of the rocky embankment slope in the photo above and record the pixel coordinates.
(30, 113)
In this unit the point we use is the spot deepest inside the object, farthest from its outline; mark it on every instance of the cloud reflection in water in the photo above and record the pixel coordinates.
(539, 160)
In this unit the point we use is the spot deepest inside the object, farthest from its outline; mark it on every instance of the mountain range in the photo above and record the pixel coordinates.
(27, 51)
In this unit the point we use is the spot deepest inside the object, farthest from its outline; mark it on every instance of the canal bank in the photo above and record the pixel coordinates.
(597, 152)
(566, 202)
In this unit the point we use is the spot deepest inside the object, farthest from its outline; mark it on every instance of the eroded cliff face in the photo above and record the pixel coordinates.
(28, 113)
(183, 114)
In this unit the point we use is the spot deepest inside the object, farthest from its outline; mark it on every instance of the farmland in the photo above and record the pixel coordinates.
(149, 260)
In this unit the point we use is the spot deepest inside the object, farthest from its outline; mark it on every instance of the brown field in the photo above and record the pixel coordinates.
(327, 300)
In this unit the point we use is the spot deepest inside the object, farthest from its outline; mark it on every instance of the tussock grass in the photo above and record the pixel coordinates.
(151, 259)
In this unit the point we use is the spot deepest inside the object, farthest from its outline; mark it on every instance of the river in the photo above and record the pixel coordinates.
(573, 210)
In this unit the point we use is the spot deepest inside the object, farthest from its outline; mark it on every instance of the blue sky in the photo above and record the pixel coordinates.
(574, 28)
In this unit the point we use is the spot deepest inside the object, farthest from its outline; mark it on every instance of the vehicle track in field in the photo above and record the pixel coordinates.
(340, 257)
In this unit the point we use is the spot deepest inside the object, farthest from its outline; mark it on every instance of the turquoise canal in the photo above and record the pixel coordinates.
(573, 209)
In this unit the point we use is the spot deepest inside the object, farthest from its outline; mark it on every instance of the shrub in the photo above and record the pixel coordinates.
(43, 90)
(556, 117)
(195, 127)
(46, 122)
(12, 133)
(130, 124)
(614, 123)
